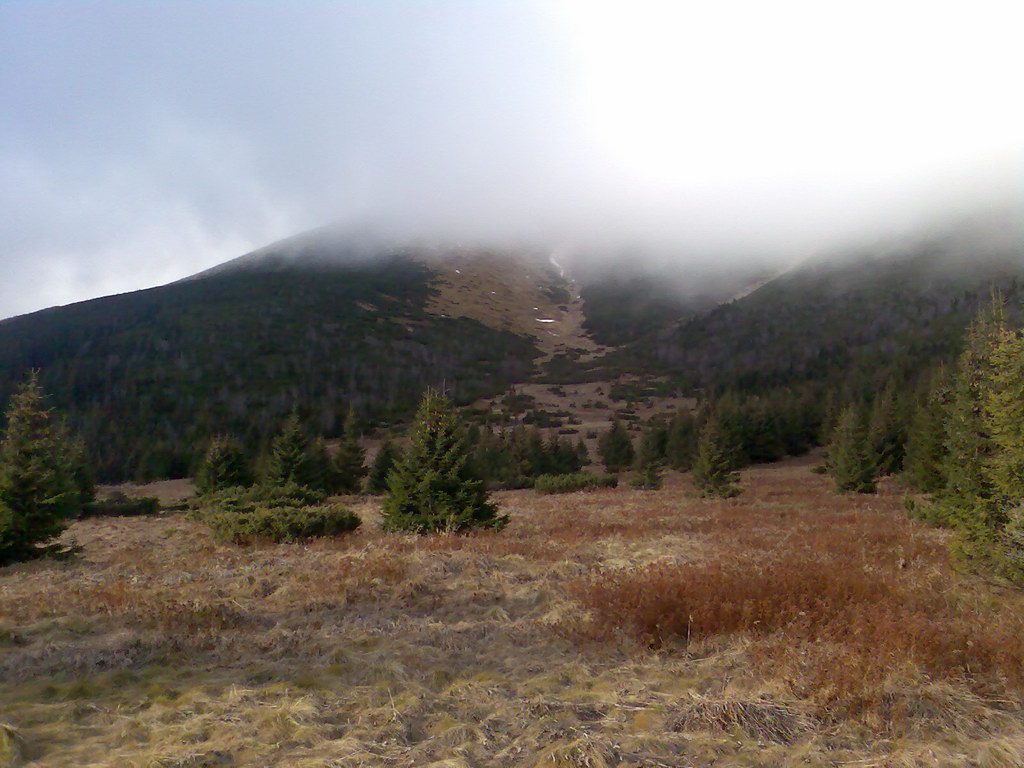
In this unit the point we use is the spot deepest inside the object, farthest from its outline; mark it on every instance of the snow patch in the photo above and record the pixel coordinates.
(556, 265)
(544, 320)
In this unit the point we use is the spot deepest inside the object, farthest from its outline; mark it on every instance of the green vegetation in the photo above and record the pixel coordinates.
(681, 440)
(977, 477)
(234, 352)
(514, 458)
(380, 469)
(278, 513)
(714, 469)
(623, 307)
(926, 450)
(349, 459)
(838, 323)
(432, 487)
(850, 462)
(41, 482)
(577, 481)
(295, 458)
(649, 461)
(616, 448)
(291, 461)
(224, 466)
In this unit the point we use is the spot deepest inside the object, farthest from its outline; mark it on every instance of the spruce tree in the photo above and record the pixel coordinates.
(713, 468)
(925, 452)
(615, 448)
(681, 442)
(538, 459)
(582, 454)
(38, 491)
(850, 463)
(381, 467)
(350, 458)
(968, 446)
(829, 417)
(289, 460)
(318, 469)
(81, 470)
(224, 466)
(1004, 419)
(649, 462)
(886, 432)
(967, 499)
(432, 488)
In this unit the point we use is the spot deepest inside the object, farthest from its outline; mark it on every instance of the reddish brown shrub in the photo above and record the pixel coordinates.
(871, 613)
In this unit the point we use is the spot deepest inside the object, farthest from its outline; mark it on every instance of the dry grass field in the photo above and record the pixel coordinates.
(786, 627)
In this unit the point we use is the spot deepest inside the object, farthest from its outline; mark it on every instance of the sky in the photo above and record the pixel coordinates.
(141, 142)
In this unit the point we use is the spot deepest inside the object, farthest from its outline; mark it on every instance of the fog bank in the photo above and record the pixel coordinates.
(141, 143)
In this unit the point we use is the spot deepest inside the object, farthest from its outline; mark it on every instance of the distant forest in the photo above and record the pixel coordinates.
(147, 377)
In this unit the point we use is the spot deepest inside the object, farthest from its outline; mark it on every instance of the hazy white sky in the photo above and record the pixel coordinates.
(141, 142)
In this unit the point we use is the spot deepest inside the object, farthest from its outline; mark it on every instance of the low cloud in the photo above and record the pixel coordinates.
(143, 143)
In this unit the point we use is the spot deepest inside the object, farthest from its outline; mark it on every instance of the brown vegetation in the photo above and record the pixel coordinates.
(786, 627)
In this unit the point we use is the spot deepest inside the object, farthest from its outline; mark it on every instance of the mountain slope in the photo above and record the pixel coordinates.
(904, 307)
(148, 376)
(319, 323)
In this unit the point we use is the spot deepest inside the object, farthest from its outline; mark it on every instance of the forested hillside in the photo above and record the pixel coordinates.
(627, 301)
(318, 325)
(148, 376)
(833, 320)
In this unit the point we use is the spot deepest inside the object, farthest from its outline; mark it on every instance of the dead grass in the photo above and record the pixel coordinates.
(787, 627)
(759, 718)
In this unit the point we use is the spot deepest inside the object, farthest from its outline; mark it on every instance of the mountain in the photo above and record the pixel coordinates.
(322, 322)
(890, 310)
(319, 323)
(147, 376)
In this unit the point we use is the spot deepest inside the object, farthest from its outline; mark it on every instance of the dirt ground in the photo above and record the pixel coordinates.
(542, 645)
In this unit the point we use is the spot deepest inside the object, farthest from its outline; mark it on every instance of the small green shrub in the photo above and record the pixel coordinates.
(578, 481)
(279, 513)
(289, 494)
(281, 523)
(119, 504)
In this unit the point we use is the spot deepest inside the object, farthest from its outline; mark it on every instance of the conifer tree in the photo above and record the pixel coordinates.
(537, 456)
(615, 448)
(38, 492)
(350, 458)
(681, 441)
(81, 470)
(850, 463)
(432, 488)
(968, 446)
(582, 454)
(649, 462)
(713, 468)
(224, 466)
(926, 452)
(561, 458)
(1004, 419)
(886, 433)
(829, 417)
(381, 467)
(318, 469)
(289, 462)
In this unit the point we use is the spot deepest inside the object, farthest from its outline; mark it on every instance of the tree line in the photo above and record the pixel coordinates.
(956, 434)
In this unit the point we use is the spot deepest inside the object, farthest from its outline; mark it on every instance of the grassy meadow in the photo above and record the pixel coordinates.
(785, 627)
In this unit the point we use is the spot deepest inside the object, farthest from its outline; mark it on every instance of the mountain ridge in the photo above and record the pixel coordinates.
(321, 325)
